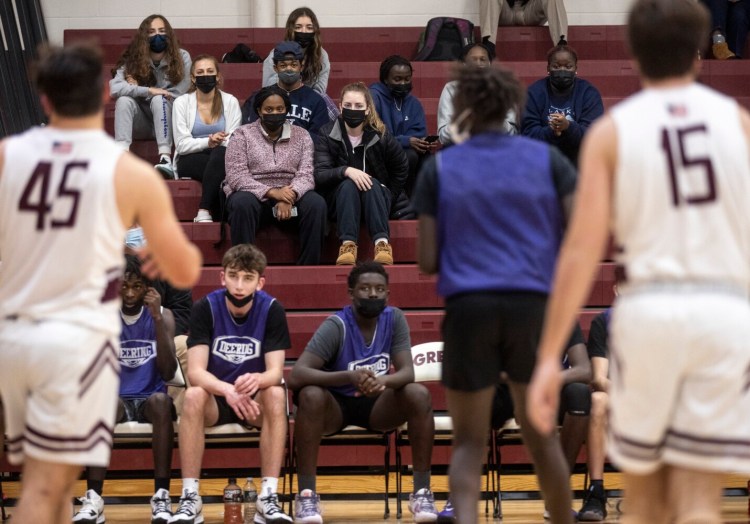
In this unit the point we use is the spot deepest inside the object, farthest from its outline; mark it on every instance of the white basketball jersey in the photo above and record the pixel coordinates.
(682, 188)
(61, 236)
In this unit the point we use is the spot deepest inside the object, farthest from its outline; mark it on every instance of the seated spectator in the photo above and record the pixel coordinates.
(149, 75)
(147, 361)
(302, 27)
(402, 113)
(522, 12)
(561, 107)
(240, 321)
(473, 55)
(594, 508)
(360, 169)
(342, 378)
(269, 167)
(575, 400)
(307, 109)
(731, 21)
(203, 121)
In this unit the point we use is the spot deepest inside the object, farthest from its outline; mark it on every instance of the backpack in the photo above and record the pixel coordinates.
(444, 38)
(241, 54)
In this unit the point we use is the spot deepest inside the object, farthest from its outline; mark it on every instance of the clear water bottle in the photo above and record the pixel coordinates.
(232, 503)
(250, 496)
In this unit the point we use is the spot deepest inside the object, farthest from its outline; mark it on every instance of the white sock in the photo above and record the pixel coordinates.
(190, 485)
(383, 240)
(345, 242)
(269, 485)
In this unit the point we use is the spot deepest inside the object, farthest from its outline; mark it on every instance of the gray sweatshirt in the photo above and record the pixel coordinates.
(119, 86)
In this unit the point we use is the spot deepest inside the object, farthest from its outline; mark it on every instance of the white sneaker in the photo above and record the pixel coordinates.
(190, 510)
(268, 510)
(165, 167)
(92, 510)
(203, 216)
(161, 507)
(307, 508)
(422, 506)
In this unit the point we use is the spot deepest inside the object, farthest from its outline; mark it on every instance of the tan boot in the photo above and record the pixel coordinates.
(383, 253)
(721, 51)
(347, 254)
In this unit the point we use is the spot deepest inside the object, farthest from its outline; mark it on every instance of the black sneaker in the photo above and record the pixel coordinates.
(594, 507)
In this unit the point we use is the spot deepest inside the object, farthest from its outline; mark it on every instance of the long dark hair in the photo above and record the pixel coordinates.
(312, 64)
(137, 56)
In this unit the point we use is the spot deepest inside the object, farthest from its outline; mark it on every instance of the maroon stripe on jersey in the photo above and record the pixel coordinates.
(114, 282)
(107, 356)
(101, 433)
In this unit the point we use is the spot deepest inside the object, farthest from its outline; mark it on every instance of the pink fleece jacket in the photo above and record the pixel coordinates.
(255, 164)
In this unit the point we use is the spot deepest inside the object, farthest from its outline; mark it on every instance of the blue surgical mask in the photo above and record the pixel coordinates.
(158, 43)
(134, 237)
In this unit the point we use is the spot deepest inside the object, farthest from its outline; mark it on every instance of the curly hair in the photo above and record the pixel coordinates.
(217, 106)
(312, 63)
(372, 119)
(133, 269)
(487, 94)
(361, 268)
(136, 59)
(390, 62)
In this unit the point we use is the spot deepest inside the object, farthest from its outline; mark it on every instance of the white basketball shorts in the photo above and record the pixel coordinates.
(680, 393)
(59, 383)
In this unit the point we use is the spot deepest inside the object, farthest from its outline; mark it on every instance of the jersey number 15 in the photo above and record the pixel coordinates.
(675, 139)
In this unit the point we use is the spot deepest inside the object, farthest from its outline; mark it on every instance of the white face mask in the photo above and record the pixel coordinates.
(456, 134)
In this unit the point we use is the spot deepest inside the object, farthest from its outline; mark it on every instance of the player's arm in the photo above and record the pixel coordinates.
(425, 203)
(166, 356)
(143, 197)
(583, 247)
(600, 374)
(198, 373)
(580, 365)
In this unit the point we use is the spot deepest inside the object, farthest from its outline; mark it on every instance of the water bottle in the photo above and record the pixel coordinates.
(232, 503)
(250, 496)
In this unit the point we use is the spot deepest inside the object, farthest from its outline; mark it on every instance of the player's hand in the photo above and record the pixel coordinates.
(543, 395)
(243, 406)
(362, 180)
(600, 384)
(358, 376)
(283, 211)
(247, 384)
(152, 301)
(149, 267)
(372, 386)
(419, 145)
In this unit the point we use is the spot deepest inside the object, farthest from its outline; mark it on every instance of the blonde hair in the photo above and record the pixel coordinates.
(217, 106)
(372, 119)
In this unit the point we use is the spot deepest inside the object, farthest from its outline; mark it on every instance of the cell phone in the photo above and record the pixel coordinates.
(431, 138)
(294, 211)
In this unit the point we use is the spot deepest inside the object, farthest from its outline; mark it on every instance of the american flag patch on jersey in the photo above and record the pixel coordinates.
(62, 148)
(677, 109)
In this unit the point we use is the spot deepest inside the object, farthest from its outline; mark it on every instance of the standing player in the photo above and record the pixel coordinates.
(669, 169)
(492, 235)
(67, 194)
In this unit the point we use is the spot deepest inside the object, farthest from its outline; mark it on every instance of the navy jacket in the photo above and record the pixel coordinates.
(409, 121)
(309, 110)
(582, 107)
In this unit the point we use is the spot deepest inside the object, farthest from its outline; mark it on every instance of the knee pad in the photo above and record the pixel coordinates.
(575, 399)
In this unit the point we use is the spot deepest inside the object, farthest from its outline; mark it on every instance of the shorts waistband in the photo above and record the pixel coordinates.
(722, 288)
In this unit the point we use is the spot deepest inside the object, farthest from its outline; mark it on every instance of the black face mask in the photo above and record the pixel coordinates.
(273, 121)
(369, 307)
(400, 90)
(353, 117)
(157, 43)
(304, 39)
(238, 302)
(288, 77)
(205, 83)
(562, 80)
